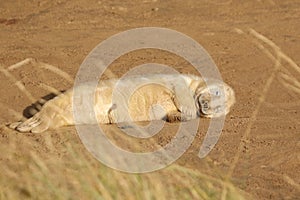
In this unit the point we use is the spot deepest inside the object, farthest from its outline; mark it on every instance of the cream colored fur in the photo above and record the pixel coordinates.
(152, 97)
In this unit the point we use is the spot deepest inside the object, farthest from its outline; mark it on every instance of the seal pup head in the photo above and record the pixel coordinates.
(214, 100)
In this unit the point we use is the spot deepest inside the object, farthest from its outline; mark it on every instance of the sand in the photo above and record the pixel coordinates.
(255, 45)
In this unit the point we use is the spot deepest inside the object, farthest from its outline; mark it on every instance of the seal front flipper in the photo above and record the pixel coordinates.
(184, 101)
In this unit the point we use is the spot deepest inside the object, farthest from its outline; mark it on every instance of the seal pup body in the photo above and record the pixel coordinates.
(170, 97)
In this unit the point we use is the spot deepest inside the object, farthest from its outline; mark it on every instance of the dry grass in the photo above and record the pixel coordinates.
(285, 76)
(46, 170)
(285, 70)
